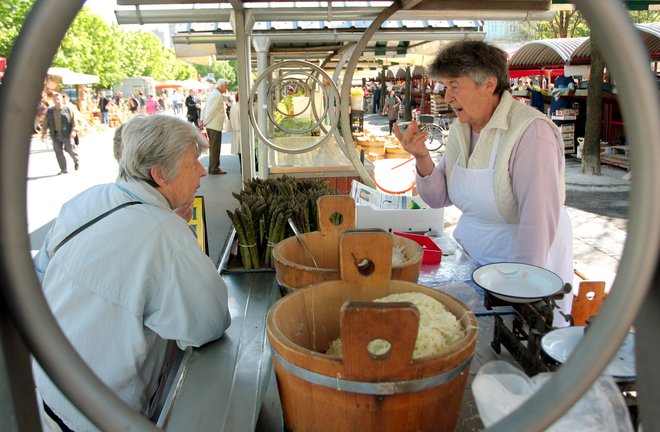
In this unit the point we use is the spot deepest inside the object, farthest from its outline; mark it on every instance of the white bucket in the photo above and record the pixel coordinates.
(393, 176)
(356, 102)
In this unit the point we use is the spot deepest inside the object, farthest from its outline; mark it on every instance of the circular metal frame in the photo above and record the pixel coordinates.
(270, 97)
(285, 81)
(333, 96)
(32, 54)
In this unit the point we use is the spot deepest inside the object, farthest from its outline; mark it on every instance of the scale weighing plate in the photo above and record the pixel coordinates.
(516, 282)
(560, 343)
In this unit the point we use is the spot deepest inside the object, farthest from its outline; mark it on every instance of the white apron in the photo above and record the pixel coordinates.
(487, 237)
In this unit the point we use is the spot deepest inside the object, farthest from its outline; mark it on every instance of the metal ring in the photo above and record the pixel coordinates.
(252, 115)
(310, 98)
(627, 60)
(33, 51)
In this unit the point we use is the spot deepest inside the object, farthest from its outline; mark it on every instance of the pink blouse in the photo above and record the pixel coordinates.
(534, 169)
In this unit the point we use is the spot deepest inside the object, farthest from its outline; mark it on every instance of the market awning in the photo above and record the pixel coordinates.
(535, 72)
(545, 52)
(194, 84)
(69, 77)
(648, 33)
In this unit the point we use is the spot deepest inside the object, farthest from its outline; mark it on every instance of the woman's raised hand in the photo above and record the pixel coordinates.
(412, 140)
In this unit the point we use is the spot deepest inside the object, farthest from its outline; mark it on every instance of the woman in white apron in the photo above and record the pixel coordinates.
(503, 167)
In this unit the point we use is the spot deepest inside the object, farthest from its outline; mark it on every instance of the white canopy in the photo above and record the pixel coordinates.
(68, 76)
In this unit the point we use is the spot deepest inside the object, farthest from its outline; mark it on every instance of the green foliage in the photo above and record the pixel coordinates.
(565, 24)
(95, 47)
(293, 124)
(571, 24)
(90, 46)
(12, 15)
(221, 69)
(639, 17)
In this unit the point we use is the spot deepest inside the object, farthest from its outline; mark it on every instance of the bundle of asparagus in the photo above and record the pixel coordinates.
(264, 207)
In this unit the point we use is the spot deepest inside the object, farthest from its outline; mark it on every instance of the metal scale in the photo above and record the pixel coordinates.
(532, 321)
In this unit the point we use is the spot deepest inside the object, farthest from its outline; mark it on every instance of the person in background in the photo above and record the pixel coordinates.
(42, 108)
(376, 99)
(135, 280)
(235, 120)
(391, 109)
(119, 99)
(162, 103)
(177, 102)
(213, 119)
(142, 102)
(193, 105)
(133, 105)
(152, 105)
(503, 167)
(104, 102)
(61, 122)
(76, 114)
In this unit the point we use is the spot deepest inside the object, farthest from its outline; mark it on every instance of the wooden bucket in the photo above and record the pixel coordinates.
(295, 268)
(395, 151)
(361, 391)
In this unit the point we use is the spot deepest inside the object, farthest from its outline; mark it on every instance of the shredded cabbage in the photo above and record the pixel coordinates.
(398, 256)
(438, 328)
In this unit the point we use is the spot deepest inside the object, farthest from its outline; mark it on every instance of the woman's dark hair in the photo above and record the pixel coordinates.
(476, 60)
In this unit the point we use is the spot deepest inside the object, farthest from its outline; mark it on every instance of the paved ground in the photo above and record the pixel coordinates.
(597, 205)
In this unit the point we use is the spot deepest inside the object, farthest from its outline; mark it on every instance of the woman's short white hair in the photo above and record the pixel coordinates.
(157, 140)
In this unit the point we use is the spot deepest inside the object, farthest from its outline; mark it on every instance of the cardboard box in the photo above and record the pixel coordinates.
(375, 209)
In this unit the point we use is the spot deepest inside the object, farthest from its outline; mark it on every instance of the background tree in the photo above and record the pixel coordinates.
(592, 128)
(572, 24)
(12, 15)
(95, 47)
(91, 46)
(221, 69)
(565, 24)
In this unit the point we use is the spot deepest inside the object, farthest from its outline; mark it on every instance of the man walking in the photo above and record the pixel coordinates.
(213, 118)
(103, 107)
(61, 122)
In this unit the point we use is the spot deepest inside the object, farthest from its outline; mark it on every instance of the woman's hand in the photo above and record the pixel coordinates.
(413, 142)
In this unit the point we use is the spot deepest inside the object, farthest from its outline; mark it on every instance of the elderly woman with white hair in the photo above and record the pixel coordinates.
(503, 167)
(123, 274)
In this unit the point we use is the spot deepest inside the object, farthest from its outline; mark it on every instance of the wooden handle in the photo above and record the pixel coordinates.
(328, 205)
(362, 322)
(365, 257)
(588, 301)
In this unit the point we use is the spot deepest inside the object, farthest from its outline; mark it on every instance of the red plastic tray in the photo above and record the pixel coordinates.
(432, 253)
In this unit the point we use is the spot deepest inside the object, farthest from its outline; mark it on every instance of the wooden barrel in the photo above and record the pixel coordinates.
(395, 151)
(295, 269)
(360, 391)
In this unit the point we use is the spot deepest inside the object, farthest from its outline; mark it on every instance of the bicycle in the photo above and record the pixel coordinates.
(436, 135)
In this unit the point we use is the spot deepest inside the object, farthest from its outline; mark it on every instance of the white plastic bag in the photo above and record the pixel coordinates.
(499, 388)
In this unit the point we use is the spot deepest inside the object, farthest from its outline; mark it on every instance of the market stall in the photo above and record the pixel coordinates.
(538, 412)
(77, 86)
